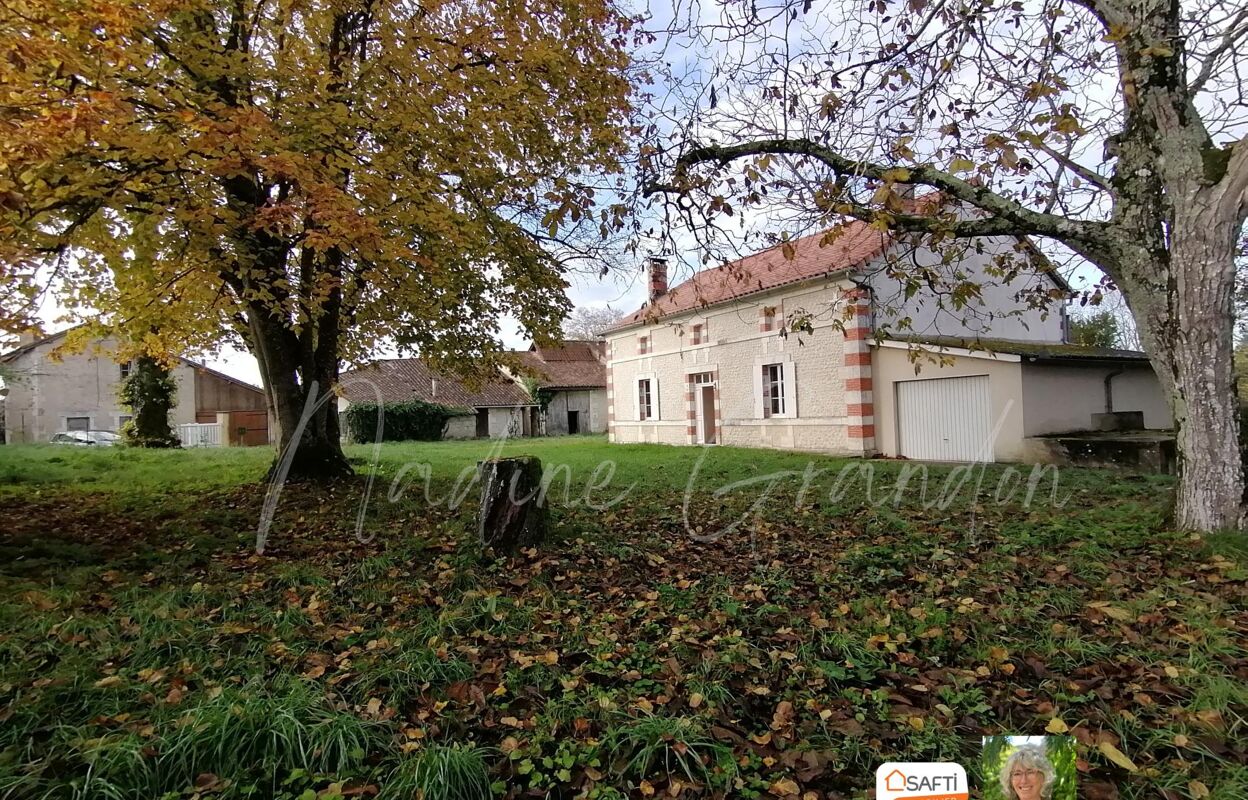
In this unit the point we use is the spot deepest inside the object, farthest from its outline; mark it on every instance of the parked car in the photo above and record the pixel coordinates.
(85, 438)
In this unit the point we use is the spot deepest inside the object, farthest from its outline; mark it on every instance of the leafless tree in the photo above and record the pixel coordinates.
(1110, 131)
(588, 322)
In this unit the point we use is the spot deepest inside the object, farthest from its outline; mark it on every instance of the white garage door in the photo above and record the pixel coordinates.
(944, 419)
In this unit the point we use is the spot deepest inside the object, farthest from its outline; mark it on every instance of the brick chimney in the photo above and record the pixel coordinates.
(658, 277)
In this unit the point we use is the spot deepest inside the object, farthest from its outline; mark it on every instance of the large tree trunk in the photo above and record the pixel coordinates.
(150, 390)
(1183, 303)
(1197, 350)
(1181, 212)
(309, 446)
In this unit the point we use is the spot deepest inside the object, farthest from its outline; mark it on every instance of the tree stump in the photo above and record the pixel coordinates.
(511, 514)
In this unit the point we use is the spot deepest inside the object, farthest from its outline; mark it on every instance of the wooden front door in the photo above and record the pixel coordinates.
(706, 413)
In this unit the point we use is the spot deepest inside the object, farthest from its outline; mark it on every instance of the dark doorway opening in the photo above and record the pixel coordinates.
(483, 422)
(574, 422)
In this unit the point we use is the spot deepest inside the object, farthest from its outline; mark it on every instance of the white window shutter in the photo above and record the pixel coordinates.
(790, 389)
(758, 391)
(637, 400)
(654, 397)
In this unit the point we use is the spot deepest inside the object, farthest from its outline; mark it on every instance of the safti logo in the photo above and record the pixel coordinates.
(921, 781)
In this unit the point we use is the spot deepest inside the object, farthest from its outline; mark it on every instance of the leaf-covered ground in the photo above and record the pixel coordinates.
(776, 631)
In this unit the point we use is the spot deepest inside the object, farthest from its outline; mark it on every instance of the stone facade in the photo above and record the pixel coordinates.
(590, 406)
(829, 392)
(48, 391)
(733, 356)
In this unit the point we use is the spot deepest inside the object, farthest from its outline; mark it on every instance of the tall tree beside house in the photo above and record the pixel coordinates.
(312, 176)
(1110, 129)
(1096, 330)
(150, 392)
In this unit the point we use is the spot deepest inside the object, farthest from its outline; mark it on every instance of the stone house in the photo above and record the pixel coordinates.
(572, 377)
(497, 408)
(52, 392)
(719, 360)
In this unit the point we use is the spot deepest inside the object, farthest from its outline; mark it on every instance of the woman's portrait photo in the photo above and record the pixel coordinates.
(1029, 768)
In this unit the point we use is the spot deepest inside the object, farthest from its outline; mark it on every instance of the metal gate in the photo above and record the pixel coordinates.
(944, 419)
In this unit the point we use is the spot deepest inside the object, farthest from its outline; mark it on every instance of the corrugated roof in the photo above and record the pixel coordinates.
(1038, 351)
(401, 380)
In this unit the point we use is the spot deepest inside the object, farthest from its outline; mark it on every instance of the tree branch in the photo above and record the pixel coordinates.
(1008, 216)
(1092, 177)
(1236, 30)
(1235, 189)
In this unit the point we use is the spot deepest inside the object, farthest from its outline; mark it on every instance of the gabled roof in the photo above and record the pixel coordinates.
(26, 348)
(853, 246)
(400, 380)
(856, 244)
(218, 374)
(52, 338)
(574, 364)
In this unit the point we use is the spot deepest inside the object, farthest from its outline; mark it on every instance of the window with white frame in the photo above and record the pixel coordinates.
(645, 399)
(124, 369)
(774, 388)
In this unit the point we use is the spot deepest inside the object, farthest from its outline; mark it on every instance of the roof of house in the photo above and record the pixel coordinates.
(218, 374)
(857, 244)
(400, 380)
(850, 246)
(26, 348)
(574, 364)
(1032, 351)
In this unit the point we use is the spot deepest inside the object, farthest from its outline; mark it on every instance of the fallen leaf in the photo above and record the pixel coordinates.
(783, 716)
(1117, 756)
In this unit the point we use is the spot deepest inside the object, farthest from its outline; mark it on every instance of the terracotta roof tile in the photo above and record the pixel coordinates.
(575, 364)
(403, 379)
(855, 244)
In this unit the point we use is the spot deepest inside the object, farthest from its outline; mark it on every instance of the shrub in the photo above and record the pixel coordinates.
(400, 421)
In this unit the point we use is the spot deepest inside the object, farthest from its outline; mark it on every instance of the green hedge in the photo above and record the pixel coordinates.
(401, 421)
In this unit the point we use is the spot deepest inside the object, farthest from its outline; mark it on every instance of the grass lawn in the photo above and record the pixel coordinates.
(730, 623)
